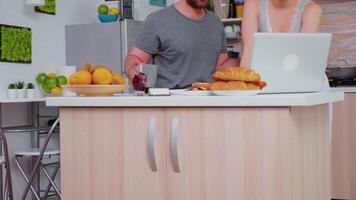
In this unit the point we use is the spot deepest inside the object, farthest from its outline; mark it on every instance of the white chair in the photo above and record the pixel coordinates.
(41, 155)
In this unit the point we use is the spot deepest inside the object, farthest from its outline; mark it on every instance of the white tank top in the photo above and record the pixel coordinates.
(265, 24)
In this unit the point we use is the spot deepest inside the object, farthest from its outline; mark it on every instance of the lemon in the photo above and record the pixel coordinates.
(102, 76)
(114, 11)
(52, 75)
(57, 91)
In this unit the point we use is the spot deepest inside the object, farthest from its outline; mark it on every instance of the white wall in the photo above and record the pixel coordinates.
(48, 52)
(143, 8)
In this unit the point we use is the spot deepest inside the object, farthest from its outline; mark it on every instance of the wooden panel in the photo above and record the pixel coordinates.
(316, 147)
(91, 145)
(140, 182)
(104, 154)
(188, 184)
(224, 142)
(339, 19)
(252, 154)
(344, 148)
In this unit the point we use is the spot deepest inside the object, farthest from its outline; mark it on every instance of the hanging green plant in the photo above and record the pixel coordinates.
(49, 8)
(15, 44)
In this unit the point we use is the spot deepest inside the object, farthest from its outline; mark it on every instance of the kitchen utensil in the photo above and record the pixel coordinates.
(341, 73)
(151, 72)
(107, 18)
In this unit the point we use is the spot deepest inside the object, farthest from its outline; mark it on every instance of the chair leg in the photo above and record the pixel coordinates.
(28, 183)
(50, 179)
(7, 165)
(37, 164)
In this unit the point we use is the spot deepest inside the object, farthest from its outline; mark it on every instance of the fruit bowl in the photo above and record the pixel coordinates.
(107, 18)
(95, 90)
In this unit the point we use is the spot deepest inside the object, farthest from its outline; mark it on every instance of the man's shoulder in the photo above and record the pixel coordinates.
(213, 15)
(159, 14)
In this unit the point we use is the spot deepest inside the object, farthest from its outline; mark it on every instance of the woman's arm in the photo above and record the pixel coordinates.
(224, 61)
(311, 18)
(249, 28)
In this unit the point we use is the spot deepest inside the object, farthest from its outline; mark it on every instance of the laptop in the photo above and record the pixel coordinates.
(291, 62)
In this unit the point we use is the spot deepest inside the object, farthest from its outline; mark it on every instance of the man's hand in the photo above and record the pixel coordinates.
(134, 70)
(134, 59)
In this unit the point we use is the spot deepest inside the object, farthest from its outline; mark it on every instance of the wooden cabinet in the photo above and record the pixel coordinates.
(143, 162)
(344, 149)
(113, 154)
(195, 153)
(184, 145)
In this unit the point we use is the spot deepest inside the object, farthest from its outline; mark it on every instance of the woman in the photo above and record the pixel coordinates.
(279, 16)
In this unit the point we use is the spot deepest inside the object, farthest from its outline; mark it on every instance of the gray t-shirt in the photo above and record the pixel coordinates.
(185, 50)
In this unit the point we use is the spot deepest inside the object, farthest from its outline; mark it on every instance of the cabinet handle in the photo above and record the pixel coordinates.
(151, 144)
(174, 145)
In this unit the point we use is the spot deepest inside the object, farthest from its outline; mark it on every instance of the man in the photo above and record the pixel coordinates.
(186, 42)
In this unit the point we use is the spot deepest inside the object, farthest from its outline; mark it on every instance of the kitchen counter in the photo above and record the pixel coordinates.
(26, 100)
(194, 147)
(343, 89)
(302, 99)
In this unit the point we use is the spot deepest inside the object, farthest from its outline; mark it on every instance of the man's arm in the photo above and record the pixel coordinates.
(134, 58)
(224, 61)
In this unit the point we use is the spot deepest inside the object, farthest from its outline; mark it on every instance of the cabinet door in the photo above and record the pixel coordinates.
(144, 165)
(184, 145)
(112, 154)
(343, 147)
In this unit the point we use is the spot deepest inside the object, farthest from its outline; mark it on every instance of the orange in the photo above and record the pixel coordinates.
(86, 67)
(102, 76)
(80, 78)
(57, 91)
(99, 67)
(118, 79)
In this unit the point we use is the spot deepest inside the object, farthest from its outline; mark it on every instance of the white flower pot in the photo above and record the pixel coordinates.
(30, 93)
(11, 93)
(35, 2)
(20, 93)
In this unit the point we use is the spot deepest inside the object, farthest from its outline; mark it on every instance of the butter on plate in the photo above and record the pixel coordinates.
(158, 92)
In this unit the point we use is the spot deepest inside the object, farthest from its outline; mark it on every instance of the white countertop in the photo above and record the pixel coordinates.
(343, 89)
(40, 99)
(302, 99)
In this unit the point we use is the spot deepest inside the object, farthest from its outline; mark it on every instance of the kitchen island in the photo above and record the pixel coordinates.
(264, 147)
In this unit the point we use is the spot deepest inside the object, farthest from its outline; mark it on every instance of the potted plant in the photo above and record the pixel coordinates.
(20, 90)
(30, 89)
(11, 91)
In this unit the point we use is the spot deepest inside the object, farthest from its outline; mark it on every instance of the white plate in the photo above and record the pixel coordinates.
(187, 92)
(236, 92)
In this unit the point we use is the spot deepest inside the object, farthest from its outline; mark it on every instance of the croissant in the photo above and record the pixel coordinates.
(200, 86)
(233, 85)
(236, 74)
